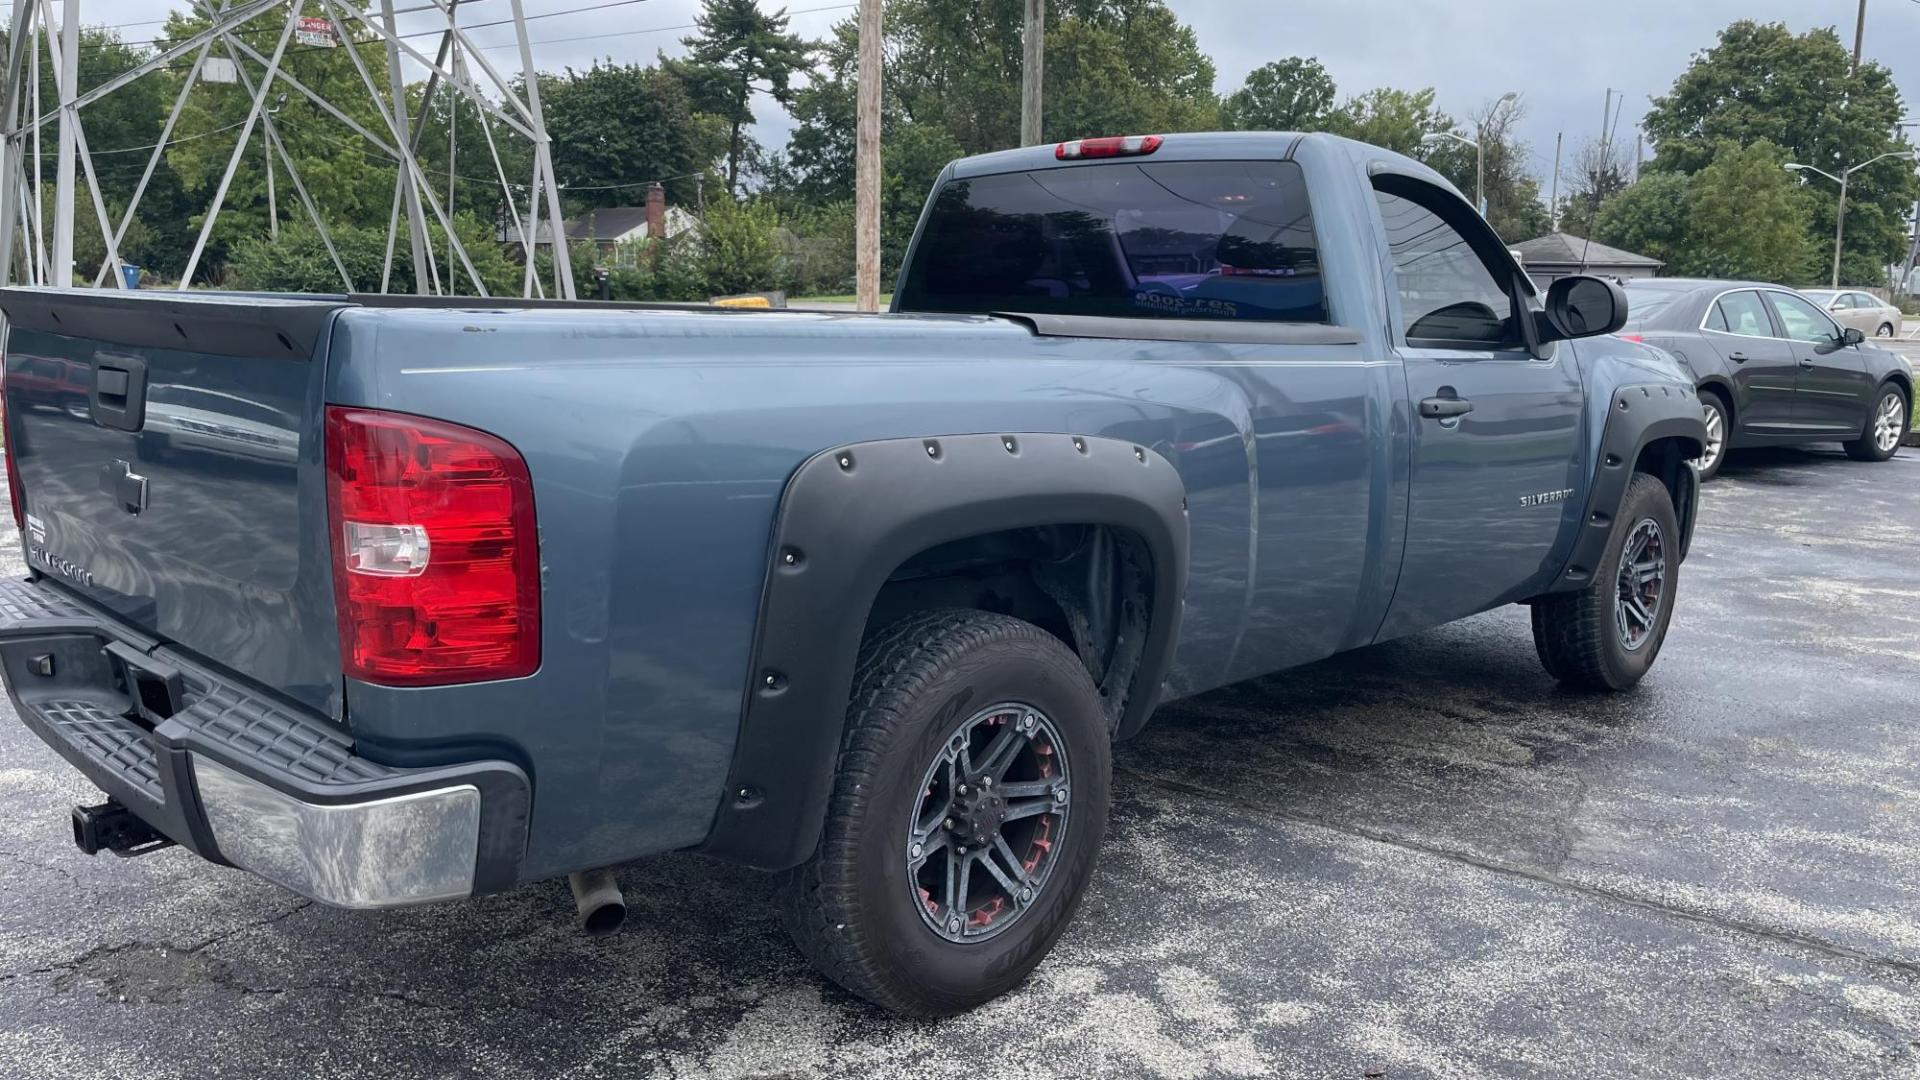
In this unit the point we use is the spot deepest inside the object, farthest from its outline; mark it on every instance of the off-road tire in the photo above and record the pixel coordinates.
(1577, 634)
(850, 908)
(1865, 448)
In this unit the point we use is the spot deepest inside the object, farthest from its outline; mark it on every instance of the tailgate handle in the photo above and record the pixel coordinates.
(120, 392)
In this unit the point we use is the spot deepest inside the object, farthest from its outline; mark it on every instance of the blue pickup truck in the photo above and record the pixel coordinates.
(399, 600)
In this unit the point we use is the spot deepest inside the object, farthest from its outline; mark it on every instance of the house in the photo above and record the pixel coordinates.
(614, 230)
(1559, 254)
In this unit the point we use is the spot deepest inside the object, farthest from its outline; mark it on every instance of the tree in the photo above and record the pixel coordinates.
(1514, 208)
(1122, 67)
(1649, 217)
(1394, 119)
(738, 52)
(119, 128)
(741, 246)
(1294, 94)
(618, 127)
(1801, 95)
(1599, 172)
(1747, 218)
(1114, 67)
(350, 181)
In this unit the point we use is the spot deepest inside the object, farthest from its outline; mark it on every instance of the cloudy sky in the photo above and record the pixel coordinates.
(1561, 55)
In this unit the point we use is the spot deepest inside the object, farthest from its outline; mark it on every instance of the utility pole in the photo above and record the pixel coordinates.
(1859, 36)
(1840, 221)
(69, 122)
(866, 185)
(1553, 200)
(1033, 72)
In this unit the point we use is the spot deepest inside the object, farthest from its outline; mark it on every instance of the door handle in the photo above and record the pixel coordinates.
(1446, 406)
(1806, 361)
(1739, 357)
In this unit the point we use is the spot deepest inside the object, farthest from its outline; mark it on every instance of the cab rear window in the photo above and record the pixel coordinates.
(1172, 240)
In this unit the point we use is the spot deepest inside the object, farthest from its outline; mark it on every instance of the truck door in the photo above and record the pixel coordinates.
(1497, 450)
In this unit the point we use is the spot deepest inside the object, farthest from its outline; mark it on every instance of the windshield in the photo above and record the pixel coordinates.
(1823, 297)
(1180, 240)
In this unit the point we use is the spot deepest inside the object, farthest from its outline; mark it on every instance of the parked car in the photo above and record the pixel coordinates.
(1863, 311)
(860, 599)
(1773, 368)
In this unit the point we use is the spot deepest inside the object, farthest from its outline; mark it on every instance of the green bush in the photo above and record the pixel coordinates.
(297, 261)
(741, 247)
(820, 251)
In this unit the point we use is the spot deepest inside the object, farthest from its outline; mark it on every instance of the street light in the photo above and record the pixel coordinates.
(1438, 138)
(1840, 216)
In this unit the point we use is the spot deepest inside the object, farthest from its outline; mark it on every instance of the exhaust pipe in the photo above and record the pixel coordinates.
(597, 896)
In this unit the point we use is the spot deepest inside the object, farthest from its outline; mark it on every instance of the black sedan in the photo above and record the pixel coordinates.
(1773, 367)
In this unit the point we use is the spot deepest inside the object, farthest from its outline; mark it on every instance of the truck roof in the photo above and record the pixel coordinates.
(1211, 146)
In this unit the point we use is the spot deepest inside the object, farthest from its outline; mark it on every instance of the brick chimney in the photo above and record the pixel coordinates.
(657, 212)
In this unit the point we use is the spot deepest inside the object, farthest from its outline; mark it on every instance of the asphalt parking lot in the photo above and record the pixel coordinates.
(1422, 859)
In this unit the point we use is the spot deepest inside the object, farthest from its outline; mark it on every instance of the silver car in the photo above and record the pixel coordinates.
(1863, 311)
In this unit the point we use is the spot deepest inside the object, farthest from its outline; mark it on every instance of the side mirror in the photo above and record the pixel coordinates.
(1579, 306)
(1848, 336)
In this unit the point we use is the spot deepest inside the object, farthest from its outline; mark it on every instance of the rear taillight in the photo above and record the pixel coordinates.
(436, 568)
(1637, 339)
(1115, 146)
(16, 492)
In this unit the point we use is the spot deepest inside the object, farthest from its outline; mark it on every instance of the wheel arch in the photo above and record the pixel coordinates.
(1900, 379)
(852, 519)
(1722, 387)
(1655, 428)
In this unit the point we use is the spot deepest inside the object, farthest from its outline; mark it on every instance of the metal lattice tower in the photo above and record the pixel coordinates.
(459, 66)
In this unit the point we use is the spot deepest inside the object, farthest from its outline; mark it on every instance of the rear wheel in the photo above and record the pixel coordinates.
(970, 800)
(1718, 426)
(1607, 635)
(1887, 421)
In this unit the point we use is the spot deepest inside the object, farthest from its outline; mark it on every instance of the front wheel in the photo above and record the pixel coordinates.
(1880, 438)
(1885, 330)
(1606, 636)
(970, 800)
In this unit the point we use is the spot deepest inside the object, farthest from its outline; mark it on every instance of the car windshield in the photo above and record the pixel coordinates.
(1823, 297)
(1179, 240)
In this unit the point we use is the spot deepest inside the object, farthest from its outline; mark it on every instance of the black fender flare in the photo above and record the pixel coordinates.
(847, 519)
(1637, 416)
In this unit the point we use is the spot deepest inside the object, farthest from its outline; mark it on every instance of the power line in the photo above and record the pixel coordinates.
(663, 29)
(413, 34)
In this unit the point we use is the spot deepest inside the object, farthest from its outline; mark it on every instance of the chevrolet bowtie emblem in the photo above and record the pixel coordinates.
(126, 486)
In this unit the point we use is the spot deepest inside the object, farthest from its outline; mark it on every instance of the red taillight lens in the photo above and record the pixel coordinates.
(1115, 146)
(16, 492)
(436, 568)
(1635, 338)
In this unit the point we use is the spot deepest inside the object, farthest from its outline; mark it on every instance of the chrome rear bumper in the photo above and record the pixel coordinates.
(238, 776)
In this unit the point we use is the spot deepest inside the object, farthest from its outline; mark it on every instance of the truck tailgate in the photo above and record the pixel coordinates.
(168, 447)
